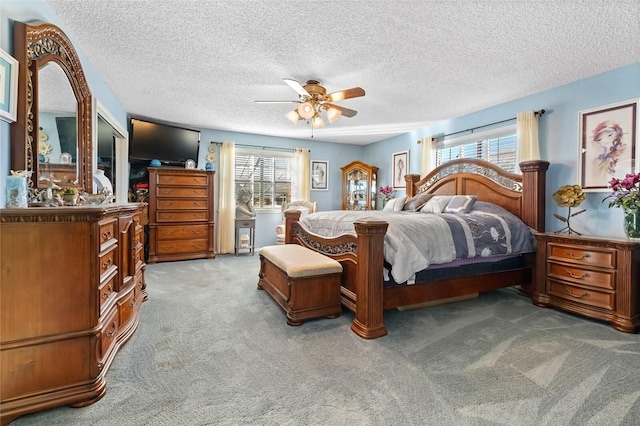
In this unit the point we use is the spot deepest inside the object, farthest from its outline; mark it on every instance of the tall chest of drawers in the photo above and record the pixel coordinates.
(181, 214)
(72, 282)
(595, 277)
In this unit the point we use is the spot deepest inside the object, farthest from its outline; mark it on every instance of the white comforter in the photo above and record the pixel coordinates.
(415, 240)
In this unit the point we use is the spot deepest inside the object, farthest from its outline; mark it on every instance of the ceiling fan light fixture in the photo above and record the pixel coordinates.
(333, 114)
(306, 110)
(293, 116)
(317, 122)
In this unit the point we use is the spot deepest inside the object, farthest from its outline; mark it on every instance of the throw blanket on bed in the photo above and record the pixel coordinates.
(415, 240)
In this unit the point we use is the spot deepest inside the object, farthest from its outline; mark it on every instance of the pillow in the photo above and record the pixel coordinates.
(394, 204)
(460, 204)
(436, 204)
(416, 202)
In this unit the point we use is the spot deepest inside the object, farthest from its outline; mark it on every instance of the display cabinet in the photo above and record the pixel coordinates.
(359, 183)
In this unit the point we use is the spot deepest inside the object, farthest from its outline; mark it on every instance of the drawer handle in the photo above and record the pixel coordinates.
(108, 292)
(106, 235)
(585, 275)
(111, 332)
(578, 296)
(105, 265)
(584, 256)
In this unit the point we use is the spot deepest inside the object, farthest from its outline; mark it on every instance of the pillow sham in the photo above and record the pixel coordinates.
(436, 204)
(394, 204)
(416, 202)
(460, 204)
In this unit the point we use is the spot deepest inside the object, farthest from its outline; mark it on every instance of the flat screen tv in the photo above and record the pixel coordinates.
(170, 144)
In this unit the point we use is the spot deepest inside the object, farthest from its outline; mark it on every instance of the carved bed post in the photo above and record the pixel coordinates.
(290, 217)
(534, 182)
(410, 183)
(368, 322)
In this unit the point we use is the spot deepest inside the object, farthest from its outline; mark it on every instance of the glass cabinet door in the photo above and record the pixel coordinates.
(359, 186)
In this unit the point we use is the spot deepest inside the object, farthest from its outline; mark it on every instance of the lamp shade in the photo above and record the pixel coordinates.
(306, 110)
(293, 116)
(317, 122)
(333, 114)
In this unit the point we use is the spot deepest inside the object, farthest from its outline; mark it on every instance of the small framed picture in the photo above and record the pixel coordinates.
(399, 168)
(8, 87)
(319, 175)
(608, 149)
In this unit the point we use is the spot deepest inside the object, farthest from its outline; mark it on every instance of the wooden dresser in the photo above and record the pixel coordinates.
(181, 214)
(72, 281)
(595, 277)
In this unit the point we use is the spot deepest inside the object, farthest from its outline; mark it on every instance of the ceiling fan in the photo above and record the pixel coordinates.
(313, 99)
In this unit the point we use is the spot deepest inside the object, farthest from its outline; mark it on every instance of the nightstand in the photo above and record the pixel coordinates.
(592, 276)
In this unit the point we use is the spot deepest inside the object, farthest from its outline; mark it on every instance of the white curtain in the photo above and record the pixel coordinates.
(226, 199)
(428, 155)
(527, 135)
(301, 176)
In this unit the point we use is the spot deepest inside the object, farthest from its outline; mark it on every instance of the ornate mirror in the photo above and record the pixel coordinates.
(53, 97)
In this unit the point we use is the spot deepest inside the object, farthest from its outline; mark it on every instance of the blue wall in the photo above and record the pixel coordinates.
(558, 133)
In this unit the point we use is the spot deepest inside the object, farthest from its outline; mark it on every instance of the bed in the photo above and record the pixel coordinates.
(361, 253)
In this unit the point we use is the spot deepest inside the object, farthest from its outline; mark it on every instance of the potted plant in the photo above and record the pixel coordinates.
(69, 196)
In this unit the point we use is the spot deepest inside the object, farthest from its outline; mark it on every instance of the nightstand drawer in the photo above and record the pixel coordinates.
(603, 279)
(582, 255)
(580, 295)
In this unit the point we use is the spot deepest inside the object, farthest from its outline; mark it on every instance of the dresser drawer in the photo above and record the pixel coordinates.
(126, 307)
(107, 232)
(582, 255)
(186, 216)
(184, 180)
(178, 204)
(179, 232)
(580, 295)
(109, 332)
(176, 192)
(107, 262)
(172, 247)
(107, 290)
(603, 279)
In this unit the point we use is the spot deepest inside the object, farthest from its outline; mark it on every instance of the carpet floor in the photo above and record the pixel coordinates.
(211, 349)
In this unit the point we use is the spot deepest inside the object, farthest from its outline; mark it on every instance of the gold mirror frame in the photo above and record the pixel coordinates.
(33, 47)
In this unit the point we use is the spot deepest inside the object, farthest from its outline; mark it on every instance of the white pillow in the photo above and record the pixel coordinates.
(436, 204)
(395, 204)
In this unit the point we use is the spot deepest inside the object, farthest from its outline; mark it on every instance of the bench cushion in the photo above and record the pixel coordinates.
(297, 261)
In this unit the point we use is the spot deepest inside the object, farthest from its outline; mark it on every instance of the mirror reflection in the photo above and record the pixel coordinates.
(57, 133)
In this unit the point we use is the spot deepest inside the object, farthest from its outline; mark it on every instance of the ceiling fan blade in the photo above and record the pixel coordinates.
(277, 102)
(344, 111)
(354, 92)
(297, 87)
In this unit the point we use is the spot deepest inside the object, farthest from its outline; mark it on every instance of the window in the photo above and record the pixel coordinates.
(499, 149)
(268, 174)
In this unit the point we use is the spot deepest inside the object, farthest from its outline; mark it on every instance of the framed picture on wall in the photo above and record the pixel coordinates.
(608, 136)
(8, 87)
(319, 175)
(399, 168)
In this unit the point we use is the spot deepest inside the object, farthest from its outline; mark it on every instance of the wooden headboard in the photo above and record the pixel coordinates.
(522, 195)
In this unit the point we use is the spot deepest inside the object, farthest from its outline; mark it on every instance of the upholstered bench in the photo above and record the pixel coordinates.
(305, 283)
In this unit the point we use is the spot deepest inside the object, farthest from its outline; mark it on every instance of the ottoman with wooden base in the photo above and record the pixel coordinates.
(305, 283)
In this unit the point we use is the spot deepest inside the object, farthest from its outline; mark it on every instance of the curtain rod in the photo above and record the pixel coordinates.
(435, 138)
(272, 148)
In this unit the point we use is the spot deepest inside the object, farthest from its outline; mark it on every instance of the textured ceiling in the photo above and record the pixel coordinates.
(203, 63)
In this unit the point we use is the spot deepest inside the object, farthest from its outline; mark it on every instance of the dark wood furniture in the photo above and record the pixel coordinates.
(72, 281)
(304, 283)
(181, 214)
(591, 276)
(359, 182)
(361, 256)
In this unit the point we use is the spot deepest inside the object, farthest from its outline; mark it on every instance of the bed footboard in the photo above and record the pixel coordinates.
(362, 259)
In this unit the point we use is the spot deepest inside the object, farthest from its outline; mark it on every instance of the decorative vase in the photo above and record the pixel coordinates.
(632, 223)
